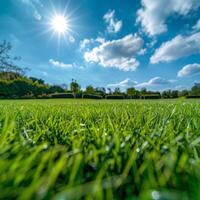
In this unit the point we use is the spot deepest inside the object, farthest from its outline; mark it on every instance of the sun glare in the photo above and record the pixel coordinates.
(59, 24)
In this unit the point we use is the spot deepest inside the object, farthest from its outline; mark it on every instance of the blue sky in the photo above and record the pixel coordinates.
(112, 43)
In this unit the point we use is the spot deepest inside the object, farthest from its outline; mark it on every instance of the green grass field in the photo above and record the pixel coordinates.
(75, 149)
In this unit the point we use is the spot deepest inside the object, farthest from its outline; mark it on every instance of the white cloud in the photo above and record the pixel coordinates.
(154, 13)
(100, 40)
(178, 47)
(156, 81)
(60, 64)
(34, 4)
(123, 84)
(197, 26)
(117, 53)
(189, 70)
(113, 25)
(84, 44)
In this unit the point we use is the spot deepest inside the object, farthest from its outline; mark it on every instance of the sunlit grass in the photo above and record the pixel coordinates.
(72, 149)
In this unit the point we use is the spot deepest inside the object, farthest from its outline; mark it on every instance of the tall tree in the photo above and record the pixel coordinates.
(143, 91)
(100, 91)
(130, 91)
(117, 91)
(196, 89)
(90, 89)
(6, 60)
(75, 87)
(109, 90)
(40, 81)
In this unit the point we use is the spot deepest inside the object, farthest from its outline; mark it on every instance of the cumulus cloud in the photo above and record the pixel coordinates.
(60, 64)
(113, 24)
(123, 84)
(117, 53)
(178, 47)
(34, 4)
(100, 40)
(153, 14)
(197, 26)
(156, 81)
(84, 44)
(189, 70)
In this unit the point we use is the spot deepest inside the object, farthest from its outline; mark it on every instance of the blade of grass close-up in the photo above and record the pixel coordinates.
(96, 149)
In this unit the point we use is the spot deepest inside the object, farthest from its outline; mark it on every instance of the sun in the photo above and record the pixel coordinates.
(59, 24)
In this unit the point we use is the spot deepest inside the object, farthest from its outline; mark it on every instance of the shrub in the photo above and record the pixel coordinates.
(193, 97)
(150, 97)
(114, 97)
(44, 96)
(91, 96)
(62, 95)
(133, 97)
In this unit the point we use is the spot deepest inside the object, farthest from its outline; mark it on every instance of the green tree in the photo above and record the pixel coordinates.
(174, 94)
(143, 91)
(55, 89)
(183, 93)
(132, 92)
(40, 81)
(90, 89)
(109, 90)
(196, 89)
(75, 87)
(117, 91)
(100, 91)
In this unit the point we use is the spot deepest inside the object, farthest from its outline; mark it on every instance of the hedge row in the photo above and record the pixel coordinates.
(91, 96)
(151, 97)
(115, 97)
(193, 97)
(62, 95)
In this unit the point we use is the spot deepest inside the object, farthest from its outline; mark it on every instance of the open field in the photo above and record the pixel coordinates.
(72, 149)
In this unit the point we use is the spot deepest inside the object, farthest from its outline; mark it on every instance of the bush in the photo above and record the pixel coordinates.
(114, 97)
(78, 95)
(44, 96)
(91, 96)
(193, 97)
(55, 89)
(151, 97)
(28, 96)
(133, 97)
(62, 95)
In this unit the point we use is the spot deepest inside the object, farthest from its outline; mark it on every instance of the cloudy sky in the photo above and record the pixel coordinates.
(112, 43)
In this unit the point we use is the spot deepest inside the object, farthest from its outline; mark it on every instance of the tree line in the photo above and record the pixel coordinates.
(14, 84)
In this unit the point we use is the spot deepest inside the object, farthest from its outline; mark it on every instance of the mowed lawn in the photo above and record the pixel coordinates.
(89, 149)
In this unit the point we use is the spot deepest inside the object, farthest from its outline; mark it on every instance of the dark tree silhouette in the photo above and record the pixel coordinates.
(6, 60)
